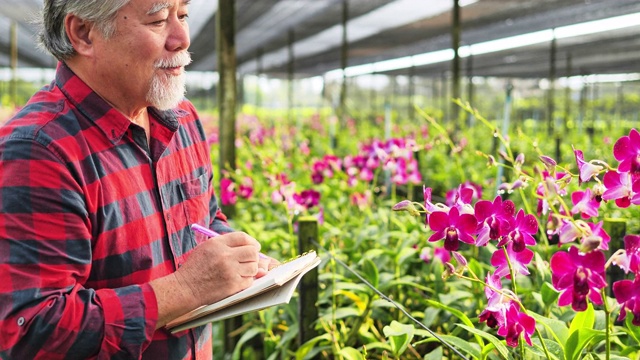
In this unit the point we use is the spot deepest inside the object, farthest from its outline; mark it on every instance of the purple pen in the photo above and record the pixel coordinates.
(203, 230)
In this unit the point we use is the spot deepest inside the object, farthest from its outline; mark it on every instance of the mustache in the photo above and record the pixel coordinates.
(181, 59)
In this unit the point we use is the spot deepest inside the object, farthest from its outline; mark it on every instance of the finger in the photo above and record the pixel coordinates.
(248, 270)
(261, 272)
(237, 239)
(245, 254)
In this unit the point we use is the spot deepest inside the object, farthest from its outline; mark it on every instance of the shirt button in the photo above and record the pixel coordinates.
(20, 321)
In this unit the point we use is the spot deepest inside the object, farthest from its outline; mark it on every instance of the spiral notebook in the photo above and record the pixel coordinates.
(275, 288)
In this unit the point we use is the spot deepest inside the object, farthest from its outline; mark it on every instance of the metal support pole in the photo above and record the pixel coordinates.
(567, 96)
(14, 63)
(410, 106)
(470, 88)
(552, 85)
(290, 71)
(259, 76)
(455, 71)
(344, 54)
(506, 119)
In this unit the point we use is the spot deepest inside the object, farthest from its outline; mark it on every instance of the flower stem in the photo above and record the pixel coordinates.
(607, 319)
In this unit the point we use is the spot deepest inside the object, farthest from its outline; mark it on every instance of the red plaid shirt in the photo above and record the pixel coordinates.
(89, 214)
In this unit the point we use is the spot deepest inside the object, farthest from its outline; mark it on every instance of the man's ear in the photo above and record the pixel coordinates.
(80, 33)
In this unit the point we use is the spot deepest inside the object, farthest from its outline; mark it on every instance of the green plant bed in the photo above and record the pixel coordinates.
(445, 287)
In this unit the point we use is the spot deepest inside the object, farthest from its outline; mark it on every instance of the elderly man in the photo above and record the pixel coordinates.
(101, 175)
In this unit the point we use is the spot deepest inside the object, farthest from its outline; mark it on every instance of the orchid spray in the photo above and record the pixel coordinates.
(566, 226)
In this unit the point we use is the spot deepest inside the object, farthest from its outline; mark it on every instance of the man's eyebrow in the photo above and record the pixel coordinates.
(157, 7)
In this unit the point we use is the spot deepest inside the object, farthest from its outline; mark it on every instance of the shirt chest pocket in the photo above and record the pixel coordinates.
(191, 206)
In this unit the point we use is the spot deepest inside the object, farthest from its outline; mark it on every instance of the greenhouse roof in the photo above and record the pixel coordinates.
(398, 37)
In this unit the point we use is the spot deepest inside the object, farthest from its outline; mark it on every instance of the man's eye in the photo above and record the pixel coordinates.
(158, 22)
(183, 17)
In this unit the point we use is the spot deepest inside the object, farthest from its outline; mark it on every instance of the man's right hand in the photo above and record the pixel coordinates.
(214, 270)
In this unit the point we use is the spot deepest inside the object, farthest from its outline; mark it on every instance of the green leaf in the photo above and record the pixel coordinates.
(583, 320)
(309, 345)
(435, 354)
(350, 353)
(497, 343)
(556, 351)
(458, 343)
(549, 294)
(370, 272)
(400, 335)
(632, 330)
(248, 335)
(341, 313)
(557, 328)
(578, 340)
(457, 313)
(404, 254)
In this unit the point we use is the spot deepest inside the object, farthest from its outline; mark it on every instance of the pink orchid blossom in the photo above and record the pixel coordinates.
(578, 277)
(629, 260)
(453, 227)
(587, 169)
(519, 261)
(585, 204)
(523, 226)
(595, 238)
(245, 189)
(627, 151)
(627, 294)
(494, 218)
(518, 325)
(494, 315)
(619, 188)
(227, 192)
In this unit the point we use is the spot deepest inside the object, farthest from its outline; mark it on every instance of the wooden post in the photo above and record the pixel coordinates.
(227, 88)
(616, 228)
(227, 94)
(308, 286)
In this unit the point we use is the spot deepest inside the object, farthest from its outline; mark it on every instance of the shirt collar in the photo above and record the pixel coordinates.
(112, 122)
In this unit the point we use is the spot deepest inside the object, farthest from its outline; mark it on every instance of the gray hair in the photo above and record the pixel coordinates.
(53, 36)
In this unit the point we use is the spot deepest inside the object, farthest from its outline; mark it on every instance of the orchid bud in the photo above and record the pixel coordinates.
(406, 205)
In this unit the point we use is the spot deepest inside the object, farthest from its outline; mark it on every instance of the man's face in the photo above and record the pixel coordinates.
(144, 60)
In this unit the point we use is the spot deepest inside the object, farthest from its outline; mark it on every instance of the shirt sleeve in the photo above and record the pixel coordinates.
(46, 257)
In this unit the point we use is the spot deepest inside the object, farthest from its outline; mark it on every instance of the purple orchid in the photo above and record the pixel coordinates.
(494, 315)
(629, 260)
(519, 261)
(522, 229)
(585, 204)
(595, 238)
(494, 218)
(578, 277)
(627, 294)
(227, 192)
(438, 253)
(453, 227)
(587, 170)
(518, 324)
(627, 151)
(619, 188)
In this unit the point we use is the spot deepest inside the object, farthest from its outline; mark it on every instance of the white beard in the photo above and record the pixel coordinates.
(166, 91)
